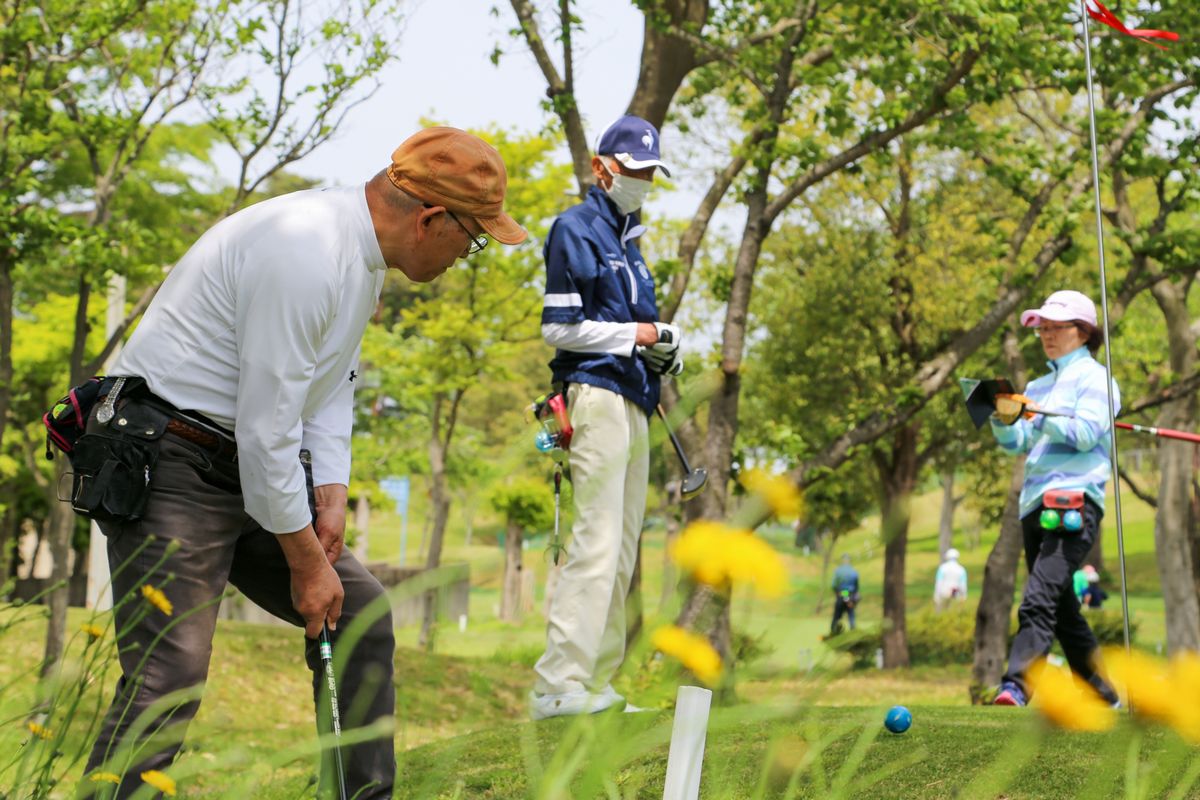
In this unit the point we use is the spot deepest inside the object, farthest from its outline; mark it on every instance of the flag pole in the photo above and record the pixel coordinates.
(1112, 411)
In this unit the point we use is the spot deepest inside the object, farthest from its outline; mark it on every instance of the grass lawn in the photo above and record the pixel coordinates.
(806, 726)
(809, 752)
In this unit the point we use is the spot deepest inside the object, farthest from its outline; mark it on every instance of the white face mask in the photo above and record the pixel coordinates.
(626, 193)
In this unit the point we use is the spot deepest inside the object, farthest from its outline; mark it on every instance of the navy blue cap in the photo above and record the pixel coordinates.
(634, 142)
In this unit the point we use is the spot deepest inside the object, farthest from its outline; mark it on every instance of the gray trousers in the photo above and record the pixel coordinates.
(195, 505)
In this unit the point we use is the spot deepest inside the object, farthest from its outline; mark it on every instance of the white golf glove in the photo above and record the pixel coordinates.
(669, 338)
(662, 363)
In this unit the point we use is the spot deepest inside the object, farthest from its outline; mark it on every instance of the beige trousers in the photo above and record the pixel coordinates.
(610, 464)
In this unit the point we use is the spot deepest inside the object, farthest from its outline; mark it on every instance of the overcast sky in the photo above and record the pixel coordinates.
(444, 73)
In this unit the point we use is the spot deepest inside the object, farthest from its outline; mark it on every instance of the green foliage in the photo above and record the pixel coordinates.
(948, 637)
(933, 638)
(525, 502)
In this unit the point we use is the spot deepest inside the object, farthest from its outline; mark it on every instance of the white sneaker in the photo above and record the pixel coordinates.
(610, 692)
(566, 704)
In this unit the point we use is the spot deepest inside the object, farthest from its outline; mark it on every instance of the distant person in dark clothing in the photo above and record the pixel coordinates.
(1093, 595)
(845, 590)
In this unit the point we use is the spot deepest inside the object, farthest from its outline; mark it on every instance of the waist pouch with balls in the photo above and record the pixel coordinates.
(112, 467)
(1062, 509)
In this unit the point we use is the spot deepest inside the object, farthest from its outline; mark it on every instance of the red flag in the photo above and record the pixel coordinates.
(1106, 17)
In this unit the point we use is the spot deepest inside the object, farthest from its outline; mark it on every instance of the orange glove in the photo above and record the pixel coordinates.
(1011, 407)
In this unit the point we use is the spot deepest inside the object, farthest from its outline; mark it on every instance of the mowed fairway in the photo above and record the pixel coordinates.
(808, 752)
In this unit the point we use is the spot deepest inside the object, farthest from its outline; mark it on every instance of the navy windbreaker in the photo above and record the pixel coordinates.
(594, 271)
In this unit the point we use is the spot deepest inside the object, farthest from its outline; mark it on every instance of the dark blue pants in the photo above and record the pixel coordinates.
(841, 607)
(1049, 607)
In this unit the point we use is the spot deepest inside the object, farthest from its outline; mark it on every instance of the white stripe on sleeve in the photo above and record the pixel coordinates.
(570, 300)
(590, 336)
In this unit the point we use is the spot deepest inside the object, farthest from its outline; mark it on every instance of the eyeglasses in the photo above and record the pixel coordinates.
(1043, 330)
(477, 243)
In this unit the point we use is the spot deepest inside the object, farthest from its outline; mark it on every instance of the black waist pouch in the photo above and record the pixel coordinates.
(113, 465)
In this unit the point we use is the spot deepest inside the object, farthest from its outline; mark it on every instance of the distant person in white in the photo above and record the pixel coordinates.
(950, 584)
(250, 350)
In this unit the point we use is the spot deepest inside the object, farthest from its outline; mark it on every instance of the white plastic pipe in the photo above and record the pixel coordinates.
(686, 759)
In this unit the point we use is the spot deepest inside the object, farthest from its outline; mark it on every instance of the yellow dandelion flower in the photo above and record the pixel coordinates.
(157, 599)
(40, 731)
(1185, 686)
(161, 781)
(718, 555)
(779, 493)
(693, 651)
(105, 777)
(94, 632)
(1058, 697)
(1142, 681)
(753, 561)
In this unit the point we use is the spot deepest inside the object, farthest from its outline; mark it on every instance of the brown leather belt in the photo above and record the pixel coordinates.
(218, 445)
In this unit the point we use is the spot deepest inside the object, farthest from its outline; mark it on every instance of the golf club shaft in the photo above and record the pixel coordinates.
(557, 507)
(1164, 433)
(687, 468)
(327, 660)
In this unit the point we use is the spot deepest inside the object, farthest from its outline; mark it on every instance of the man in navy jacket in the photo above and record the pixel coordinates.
(601, 315)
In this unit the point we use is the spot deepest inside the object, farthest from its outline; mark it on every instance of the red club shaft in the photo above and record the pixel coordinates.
(1165, 433)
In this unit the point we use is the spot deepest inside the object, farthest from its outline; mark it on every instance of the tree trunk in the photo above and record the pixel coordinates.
(723, 405)
(510, 597)
(669, 578)
(996, 596)
(1173, 523)
(61, 527)
(666, 58)
(62, 517)
(946, 522)
(898, 477)
(6, 323)
(8, 542)
(439, 499)
(708, 610)
(1173, 545)
(1196, 521)
(362, 525)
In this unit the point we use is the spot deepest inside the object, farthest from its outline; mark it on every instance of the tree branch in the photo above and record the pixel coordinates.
(874, 141)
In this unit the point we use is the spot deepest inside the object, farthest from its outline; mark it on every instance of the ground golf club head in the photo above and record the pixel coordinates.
(981, 397)
(693, 483)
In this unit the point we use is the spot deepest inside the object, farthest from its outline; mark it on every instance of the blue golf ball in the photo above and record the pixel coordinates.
(1072, 520)
(898, 719)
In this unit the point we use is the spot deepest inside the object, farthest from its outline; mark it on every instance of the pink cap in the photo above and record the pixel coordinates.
(1064, 306)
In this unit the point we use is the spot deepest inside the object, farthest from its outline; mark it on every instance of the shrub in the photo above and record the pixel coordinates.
(949, 637)
(1108, 627)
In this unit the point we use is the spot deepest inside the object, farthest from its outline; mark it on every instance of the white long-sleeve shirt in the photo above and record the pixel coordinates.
(259, 328)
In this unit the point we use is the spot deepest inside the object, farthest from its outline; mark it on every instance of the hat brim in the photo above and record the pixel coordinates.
(646, 160)
(1032, 317)
(503, 229)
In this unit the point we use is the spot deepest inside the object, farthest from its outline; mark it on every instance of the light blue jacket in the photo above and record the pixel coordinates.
(1064, 452)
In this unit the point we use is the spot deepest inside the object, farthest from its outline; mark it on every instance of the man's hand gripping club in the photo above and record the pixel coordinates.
(317, 599)
(660, 349)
